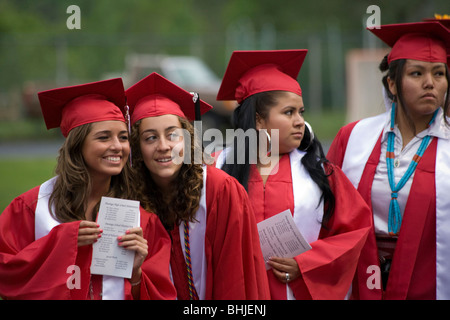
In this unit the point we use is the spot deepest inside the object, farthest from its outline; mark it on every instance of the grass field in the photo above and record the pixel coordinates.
(20, 175)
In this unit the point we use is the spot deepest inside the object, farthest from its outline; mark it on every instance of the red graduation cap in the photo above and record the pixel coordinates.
(443, 19)
(424, 41)
(251, 72)
(156, 96)
(70, 107)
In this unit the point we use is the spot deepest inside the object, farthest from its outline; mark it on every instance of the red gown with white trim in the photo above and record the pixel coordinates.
(38, 269)
(413, 271)
(233, 259)
(328, 268)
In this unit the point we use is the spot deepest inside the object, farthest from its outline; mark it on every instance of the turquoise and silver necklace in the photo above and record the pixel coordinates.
(395, 217)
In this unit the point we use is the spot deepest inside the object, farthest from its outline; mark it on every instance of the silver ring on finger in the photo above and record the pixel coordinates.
(288, 277)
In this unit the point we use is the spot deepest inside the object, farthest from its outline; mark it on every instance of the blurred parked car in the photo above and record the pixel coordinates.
(188, 72)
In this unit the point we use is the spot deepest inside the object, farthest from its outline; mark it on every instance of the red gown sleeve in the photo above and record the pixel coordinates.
(235, 264)
(155, 280)
(38, 269)
(329, 267)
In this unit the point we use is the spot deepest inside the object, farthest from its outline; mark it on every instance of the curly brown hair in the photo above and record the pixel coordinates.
(187, 187)
(69, 199)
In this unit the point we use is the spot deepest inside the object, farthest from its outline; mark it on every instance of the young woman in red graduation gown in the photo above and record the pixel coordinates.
(46, 234)
(215, 247)
(326, 208)
(400, 163)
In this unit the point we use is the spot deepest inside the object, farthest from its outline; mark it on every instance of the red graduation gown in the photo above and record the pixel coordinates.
(38, 269)
(413, 270)
(234, 261)
(328, 268)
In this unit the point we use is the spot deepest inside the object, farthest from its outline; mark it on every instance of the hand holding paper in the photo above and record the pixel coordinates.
(280, 237)
(281, 266)
(115, 217)
(133, 240)
(88, 233)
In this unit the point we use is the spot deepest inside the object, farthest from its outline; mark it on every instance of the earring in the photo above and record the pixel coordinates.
(268, 138)
(309, 135)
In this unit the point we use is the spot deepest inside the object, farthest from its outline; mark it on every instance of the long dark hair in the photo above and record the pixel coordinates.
(244, 118)
(394, 71)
